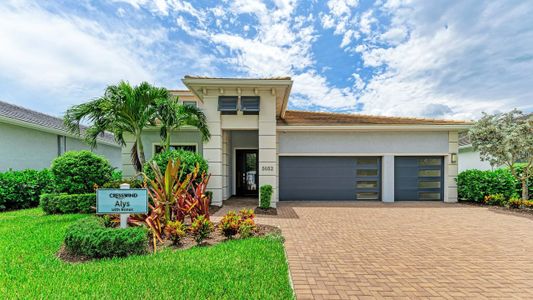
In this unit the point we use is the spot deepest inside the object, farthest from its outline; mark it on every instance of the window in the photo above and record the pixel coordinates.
(159, 148)
(428, 196)
(429, 173)
(227, 105)
(367, 172)
(367, 196)
(250, 105)
(367, 184)
(430, 161)
(367, 160)
(191, 103)
(429, 184)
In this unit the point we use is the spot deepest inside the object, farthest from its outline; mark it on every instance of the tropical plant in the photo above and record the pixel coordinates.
(172, 116)
(195, 202)
(229, 224)
(77, 172)
(496, 199)
(247, 228)
(164, 191)
(175, 231)
(122, 109)
(201, 228)
(506, 139)
(246, 214)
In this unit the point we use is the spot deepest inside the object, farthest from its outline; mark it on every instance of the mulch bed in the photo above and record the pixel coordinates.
(266, 211)
(521, 212)
(188, 242)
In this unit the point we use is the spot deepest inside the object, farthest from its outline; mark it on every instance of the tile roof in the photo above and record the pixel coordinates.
(29, 116)
(232, 78)
(295, 117)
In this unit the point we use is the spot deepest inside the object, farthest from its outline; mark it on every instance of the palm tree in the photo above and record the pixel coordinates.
(122, 109)
(173, 116)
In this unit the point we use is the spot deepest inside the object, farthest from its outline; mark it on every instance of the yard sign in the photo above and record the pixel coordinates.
(121, 201)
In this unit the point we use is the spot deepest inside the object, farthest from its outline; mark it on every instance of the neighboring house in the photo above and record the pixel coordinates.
(31, 140)
(255, 140)
(468, 157)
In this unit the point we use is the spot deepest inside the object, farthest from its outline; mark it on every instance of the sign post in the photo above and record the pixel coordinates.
(123, 201)
(124, 217)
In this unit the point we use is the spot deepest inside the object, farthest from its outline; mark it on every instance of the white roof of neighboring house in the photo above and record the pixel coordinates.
(14, 114)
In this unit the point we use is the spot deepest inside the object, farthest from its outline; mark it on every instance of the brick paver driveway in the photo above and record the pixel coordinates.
(406, 250)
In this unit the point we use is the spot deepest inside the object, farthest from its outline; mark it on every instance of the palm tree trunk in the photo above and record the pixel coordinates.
(140, 150)
(167, 141)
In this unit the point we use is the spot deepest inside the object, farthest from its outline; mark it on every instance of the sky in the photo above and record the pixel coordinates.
(439, 59)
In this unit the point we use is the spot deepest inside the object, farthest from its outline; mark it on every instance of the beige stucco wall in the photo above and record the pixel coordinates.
(218, 151)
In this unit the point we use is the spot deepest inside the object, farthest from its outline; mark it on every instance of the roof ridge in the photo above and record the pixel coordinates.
(378, 116)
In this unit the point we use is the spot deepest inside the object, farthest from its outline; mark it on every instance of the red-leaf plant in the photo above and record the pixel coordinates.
(172, 199)
(164, 191)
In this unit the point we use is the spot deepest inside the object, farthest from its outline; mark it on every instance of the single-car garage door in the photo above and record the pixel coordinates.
(329, 178)
(418, 178)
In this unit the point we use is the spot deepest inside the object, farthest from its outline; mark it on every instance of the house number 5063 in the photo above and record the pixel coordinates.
(267, 168)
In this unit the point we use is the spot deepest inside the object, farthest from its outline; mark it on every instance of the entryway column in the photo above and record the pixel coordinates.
(387, 178)
(267, 148)
(213, 149)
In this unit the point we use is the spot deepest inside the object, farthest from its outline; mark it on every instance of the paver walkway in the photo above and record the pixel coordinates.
(404, 250)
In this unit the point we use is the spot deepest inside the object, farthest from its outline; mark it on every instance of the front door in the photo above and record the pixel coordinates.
(247, 176)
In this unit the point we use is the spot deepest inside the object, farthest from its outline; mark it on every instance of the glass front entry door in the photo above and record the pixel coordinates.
(247, 176)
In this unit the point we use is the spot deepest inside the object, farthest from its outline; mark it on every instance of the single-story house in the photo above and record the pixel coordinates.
(31, 140)
(304, 155)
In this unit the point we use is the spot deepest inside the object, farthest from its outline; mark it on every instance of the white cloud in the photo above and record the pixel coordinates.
(47, 51)
(456, 61)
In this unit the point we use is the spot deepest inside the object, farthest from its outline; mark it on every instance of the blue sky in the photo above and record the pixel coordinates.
(440, 59)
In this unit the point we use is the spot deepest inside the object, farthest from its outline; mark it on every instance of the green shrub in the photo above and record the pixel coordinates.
(474, 185)
(68, 204)
(201, 228)
(266, 196)
(496, 199)
(116, 175)
(21, 189)
(78, 172)
(89, 237)
(115, 184)
(187, 159)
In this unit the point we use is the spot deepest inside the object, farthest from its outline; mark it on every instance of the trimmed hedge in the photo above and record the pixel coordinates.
(474, 185)
(78, 172)
(266, 196)
(21, 189)
(187, 159)
(89, 237)
(68, 204)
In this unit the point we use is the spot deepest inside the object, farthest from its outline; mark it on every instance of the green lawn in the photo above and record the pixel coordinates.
(243, 269)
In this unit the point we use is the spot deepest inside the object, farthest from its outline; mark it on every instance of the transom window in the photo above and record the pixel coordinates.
(250, 105)
(227, 105)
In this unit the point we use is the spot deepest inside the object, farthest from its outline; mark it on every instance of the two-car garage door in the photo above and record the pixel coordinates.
(358, 178)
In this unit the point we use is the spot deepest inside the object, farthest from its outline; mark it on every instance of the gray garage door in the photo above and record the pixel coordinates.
(419, 178)
(329, 178)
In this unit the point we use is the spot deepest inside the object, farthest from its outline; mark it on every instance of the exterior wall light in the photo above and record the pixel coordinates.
(454, 158)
